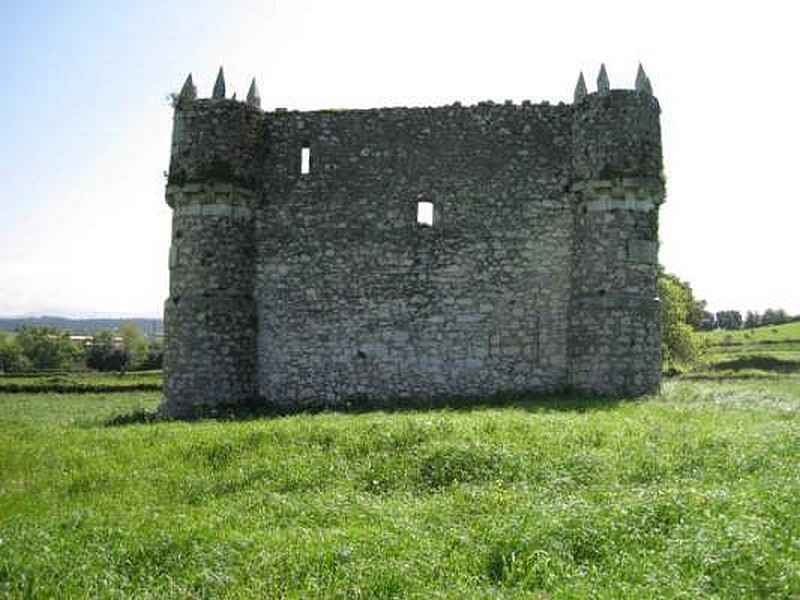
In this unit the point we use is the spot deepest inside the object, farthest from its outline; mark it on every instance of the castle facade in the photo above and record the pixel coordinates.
(333, 256)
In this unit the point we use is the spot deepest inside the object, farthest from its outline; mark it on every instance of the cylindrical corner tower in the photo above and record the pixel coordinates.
(615, 331)
(214, 182)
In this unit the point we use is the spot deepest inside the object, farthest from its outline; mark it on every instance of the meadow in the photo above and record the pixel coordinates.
(691, 493)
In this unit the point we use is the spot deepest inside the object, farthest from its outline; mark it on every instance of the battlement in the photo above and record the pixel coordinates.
(324, 284)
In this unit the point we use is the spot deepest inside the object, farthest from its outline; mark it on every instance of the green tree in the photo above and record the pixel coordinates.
(752, 319)
(708, 323)
(135, 345)
(12, 360)
(680, 348)
(775, 316)
(155, 355)
(105, 353)
(47, 347)
(696, 314)
(730, 319)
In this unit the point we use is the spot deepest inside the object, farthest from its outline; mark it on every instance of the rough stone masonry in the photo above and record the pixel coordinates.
(391, 254)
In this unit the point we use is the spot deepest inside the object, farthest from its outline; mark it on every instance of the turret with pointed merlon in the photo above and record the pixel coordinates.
(614, 340)
(215, 175)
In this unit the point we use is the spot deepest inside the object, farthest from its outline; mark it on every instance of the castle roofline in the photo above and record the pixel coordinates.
(188, 96)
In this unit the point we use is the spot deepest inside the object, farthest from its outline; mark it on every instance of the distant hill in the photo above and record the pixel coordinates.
(149, 327)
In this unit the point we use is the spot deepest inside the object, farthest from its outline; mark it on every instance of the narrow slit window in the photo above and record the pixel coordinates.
(305, 160)
(425, 213)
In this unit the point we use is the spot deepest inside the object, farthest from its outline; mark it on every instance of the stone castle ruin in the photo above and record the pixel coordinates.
(332, 256)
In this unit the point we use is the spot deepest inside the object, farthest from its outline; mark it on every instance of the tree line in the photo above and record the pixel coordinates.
(45, 348)
(732, 319)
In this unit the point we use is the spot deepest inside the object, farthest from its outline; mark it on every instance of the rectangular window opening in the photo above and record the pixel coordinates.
(425, 213)
(305, 160)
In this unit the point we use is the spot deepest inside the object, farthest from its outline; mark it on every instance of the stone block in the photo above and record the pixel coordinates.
(643, 251)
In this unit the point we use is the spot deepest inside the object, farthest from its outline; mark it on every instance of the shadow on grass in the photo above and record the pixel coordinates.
(761, 363)
(758, 342)
(562, 401)
(136, 417)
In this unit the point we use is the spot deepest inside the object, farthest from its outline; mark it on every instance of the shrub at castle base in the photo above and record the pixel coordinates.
(327, 256)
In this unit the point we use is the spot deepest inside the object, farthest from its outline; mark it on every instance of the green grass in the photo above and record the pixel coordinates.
(81, 381)
(770, 333)
(694, 493)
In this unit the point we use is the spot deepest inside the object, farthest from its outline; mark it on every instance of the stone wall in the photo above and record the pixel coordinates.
(297, 289)
(210, 318)
(358, 300)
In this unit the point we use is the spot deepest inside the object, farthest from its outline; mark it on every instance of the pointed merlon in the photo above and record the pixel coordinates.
(253, 96)
(643, 82)
(188, 91)
(580, 89)
(219, 85)
(603, 86)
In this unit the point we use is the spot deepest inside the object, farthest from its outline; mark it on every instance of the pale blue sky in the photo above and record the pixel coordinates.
(83, 225)
(77, 75)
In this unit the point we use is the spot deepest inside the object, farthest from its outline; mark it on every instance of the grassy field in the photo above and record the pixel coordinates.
(788, 332)
(693, 493)
(763, 352)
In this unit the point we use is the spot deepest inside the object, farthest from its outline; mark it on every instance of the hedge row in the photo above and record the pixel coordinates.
(75, 388)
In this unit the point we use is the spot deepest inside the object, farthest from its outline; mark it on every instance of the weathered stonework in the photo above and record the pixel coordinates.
(293, 289)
